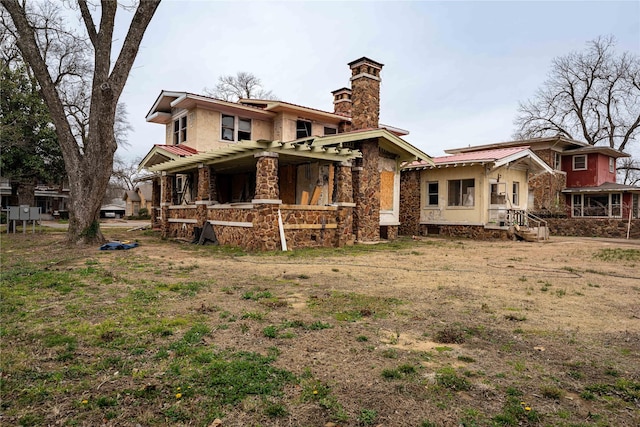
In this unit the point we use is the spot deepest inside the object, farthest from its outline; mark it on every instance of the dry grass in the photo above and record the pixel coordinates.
(416, 333)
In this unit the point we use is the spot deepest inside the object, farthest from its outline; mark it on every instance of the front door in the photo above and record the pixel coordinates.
(497, 202)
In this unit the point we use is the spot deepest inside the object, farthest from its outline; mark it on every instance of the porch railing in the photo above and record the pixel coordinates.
(519, 218)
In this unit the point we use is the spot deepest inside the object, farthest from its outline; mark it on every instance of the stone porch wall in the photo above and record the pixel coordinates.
(409, 203)
(312, 228)
(182, 219)
(593, 227)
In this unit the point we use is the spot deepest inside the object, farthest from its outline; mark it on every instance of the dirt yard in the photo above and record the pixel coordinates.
(428, 332)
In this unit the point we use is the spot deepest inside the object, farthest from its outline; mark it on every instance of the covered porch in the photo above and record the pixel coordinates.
(259, 195)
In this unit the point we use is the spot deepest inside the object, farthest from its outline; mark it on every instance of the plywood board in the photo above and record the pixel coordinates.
(316, 195)
(304, 200)
(387, 180)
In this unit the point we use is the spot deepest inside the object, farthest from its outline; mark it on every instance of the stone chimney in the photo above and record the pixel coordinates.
(365, 93)
(342, 101)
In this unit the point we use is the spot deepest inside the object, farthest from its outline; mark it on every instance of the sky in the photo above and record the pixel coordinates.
(454, 71)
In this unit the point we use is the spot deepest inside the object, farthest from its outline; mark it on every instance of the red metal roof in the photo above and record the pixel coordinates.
(179, 150)
(474, 156)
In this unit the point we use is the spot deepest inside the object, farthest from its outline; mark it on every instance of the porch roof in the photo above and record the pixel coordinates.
(607, 187)
(161, 153)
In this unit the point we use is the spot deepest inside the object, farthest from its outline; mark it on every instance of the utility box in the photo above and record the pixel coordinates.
(24, 212)
(34, 213)
(14, 213)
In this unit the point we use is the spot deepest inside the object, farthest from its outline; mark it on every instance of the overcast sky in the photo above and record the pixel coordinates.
(454, 71)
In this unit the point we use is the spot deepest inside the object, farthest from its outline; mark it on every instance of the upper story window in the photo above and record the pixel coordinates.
(557, 161)
(235, 128)
(303, 129)
(330, 131)
(432, 193)
(580, 162)
(462, 192)
(180, 130)
(612, 164)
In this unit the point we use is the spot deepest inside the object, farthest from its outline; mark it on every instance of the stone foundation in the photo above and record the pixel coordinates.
(594, 227)
(409, 203)
(476, 232)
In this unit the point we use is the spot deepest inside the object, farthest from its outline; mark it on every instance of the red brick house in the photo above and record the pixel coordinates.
(271, 174)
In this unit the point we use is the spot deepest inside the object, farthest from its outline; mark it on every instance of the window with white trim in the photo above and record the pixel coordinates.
(461, 192)
(180, 130)
(597, 205)
(515, 194)
(612, 164)
(579, 162)
(235, 128)
(557, 161)
(432, 193)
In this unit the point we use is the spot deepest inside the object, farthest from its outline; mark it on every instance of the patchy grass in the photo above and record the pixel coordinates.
(175, 334)
(617, 254)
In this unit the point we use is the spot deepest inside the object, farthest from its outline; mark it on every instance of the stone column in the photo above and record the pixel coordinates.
(166, 185)
(155, 203)
(344, 201)
(366, 191)
(213, 186)
(266, 202)
(410, 202)
(267, 176)
(202, 198)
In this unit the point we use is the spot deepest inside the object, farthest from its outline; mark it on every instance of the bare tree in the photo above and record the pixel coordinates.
(124, 173)
(629, 171)
(592, 96)
(242, 85)
(81, 87)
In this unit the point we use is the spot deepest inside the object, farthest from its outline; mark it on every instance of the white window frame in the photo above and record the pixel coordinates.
(470, 201)
(557, 161)
(612, 163)
(578, 205)
(515, 193)
(179, 129)
(429, 194)
(236, 127)
(573, 162)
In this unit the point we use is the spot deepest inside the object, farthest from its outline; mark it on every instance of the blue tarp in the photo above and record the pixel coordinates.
(117, 246)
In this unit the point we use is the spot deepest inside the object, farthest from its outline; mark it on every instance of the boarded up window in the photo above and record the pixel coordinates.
(387, 179)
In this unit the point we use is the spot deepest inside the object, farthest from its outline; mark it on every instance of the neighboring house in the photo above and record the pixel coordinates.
(579, 169)
(52, 200)
(113, 211)
(268, 174)
(480, 194)
(137, 199)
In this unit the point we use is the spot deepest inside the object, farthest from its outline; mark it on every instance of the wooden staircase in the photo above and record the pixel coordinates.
(528, 227)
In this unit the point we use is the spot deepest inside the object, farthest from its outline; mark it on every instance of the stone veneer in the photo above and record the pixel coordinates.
(593, 227)
(366, 194)
(365, 103)
(267, 176)
(547, 190)
(409, 203)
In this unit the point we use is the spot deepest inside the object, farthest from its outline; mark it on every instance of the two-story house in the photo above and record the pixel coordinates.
(271, 174)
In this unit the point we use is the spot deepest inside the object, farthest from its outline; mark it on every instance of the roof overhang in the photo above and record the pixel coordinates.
(167, 101)
(560, 143)
(603, 189)
(386, 140)
(285, 107)
(526, 157)
(157, 155)
(607, 151)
